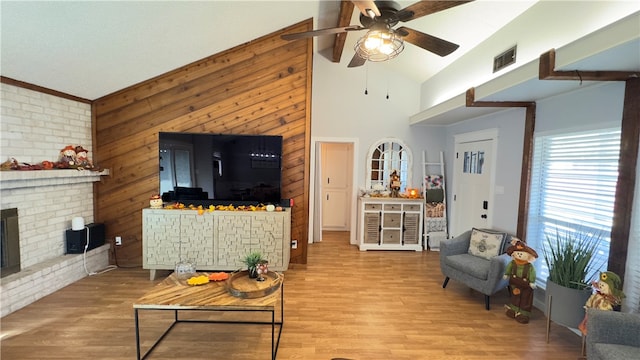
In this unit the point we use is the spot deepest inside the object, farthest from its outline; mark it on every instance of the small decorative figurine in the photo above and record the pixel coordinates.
(67, 158)
(155, 202)
(82, 158)
(522, 279)
(394, 183)
(607, 296)
(262, 268)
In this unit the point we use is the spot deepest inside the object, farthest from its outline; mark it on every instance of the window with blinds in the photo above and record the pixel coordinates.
(573, 184)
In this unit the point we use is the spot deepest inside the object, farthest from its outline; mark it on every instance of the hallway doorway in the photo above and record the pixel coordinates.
(333, 187)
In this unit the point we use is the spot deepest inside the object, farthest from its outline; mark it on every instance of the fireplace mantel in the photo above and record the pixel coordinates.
(16, 179)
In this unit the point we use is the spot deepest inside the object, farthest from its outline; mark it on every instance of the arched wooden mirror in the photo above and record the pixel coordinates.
(384, 157)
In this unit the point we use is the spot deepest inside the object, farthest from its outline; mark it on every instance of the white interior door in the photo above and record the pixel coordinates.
(336, 185)
(472, 196)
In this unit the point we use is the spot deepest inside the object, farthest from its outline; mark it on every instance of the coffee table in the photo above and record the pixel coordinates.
(175, 295)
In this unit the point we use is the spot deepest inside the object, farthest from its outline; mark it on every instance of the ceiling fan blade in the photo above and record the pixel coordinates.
(428, 42)
(356, 61)
(365, 5)
(423, 8)
(320, 32)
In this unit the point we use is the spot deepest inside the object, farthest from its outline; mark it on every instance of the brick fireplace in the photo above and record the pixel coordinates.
(45, 202)
(35, 127)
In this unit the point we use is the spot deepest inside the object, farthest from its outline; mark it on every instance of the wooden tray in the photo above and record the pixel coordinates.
(239, 284)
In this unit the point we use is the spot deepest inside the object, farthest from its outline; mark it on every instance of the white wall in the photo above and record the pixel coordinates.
(582, 109)
(342, 110)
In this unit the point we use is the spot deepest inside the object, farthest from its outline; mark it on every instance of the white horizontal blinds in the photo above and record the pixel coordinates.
(632, 270)
(573, 187)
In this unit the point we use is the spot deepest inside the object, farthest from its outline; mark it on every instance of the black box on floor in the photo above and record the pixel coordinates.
(77, 239)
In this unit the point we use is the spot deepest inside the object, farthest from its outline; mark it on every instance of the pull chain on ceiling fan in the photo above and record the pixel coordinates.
(382, 42)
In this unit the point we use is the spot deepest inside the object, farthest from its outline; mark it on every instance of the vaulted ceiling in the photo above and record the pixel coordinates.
(90, 49)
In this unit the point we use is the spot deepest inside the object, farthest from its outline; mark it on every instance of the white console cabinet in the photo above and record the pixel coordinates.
(217, 240)
(390, 224)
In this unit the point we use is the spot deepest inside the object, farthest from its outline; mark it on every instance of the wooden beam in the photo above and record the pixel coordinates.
(471, 102)
(625, 186)
(44, 90)
(527, 152)
(344, 19)
(546, 71)
(525, 171)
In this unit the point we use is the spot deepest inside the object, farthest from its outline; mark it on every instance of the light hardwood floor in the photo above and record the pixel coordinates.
(343, 304)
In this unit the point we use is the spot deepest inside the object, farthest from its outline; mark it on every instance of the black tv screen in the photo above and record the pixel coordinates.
(220, 169)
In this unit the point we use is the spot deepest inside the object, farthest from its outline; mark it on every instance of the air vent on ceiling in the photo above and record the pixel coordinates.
(505, 59)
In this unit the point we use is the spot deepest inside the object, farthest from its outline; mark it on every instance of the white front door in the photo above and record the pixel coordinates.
(336, 185)
(472, 196)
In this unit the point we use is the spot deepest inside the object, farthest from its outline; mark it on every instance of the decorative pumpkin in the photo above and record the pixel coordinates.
(218, 276)
(198, 280)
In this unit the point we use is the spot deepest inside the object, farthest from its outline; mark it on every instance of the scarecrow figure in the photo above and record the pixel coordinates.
(82, 158)
(67, 158)
(155, 202)
(608, 295)
(522, 277)
(394, 183)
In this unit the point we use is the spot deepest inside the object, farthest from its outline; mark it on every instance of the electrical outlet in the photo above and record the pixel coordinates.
(294, 244)
(118, 240)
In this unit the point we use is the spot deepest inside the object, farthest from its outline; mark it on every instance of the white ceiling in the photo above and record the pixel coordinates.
(93, 48)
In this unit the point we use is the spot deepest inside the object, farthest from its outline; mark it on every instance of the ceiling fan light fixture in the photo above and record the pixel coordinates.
(379, 45)
(372, 42)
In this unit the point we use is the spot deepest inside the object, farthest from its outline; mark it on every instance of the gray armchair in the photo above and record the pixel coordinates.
(612, 335)
(480, 274)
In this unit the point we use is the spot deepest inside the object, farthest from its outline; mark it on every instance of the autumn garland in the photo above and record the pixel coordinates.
(211, 208)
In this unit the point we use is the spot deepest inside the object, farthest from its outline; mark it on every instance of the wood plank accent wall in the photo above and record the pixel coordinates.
(260, 87)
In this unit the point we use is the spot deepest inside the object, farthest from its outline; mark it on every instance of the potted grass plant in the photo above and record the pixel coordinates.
(252, 260)
(570, 256)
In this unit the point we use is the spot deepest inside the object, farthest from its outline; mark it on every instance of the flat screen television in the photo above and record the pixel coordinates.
(220, 169)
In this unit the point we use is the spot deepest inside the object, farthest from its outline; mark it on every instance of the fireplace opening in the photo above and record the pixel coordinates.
(9, 242)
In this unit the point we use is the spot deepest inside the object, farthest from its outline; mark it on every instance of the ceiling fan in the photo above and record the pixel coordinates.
(382, 42)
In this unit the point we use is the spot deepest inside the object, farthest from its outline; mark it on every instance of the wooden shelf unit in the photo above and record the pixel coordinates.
(390, 224)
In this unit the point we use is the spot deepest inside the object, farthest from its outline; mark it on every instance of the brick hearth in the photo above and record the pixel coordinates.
(47, 200)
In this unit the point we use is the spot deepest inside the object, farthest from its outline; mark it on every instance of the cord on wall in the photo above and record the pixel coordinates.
(84, 258)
